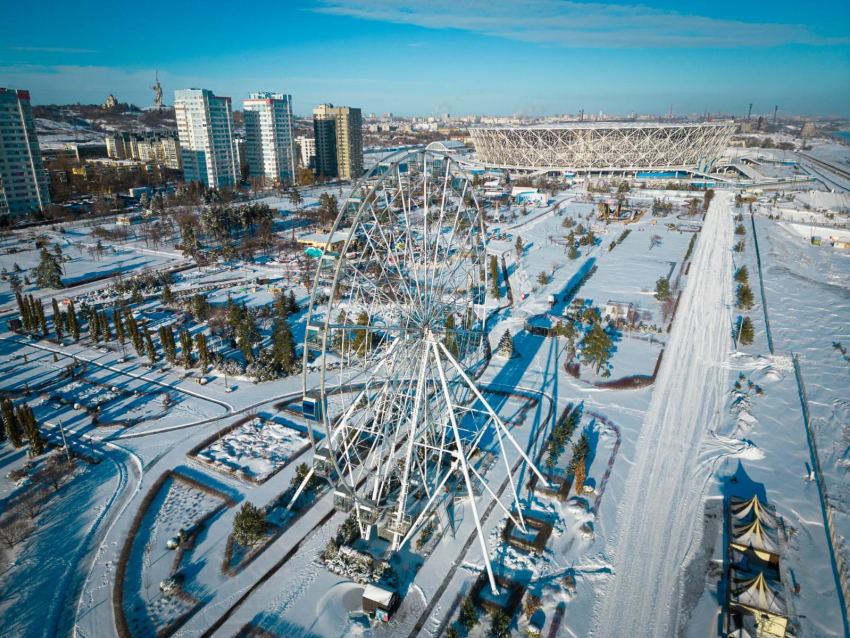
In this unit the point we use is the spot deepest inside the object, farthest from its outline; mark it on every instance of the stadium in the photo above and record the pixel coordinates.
(618, 148)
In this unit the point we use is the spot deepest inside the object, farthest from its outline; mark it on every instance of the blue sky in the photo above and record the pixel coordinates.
(496, 57)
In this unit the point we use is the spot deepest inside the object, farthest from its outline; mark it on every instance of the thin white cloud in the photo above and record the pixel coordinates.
(574, 24)
(52, 50)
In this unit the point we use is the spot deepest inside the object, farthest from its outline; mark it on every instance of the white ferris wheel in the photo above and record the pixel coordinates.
(398, 315)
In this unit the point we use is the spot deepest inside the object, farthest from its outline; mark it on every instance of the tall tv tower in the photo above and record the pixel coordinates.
(750, 112)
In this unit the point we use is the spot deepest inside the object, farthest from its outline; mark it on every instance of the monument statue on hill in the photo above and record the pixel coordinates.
(157, 99)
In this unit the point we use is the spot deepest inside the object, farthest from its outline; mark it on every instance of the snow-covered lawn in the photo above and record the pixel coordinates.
(257, 449)
(176, 507)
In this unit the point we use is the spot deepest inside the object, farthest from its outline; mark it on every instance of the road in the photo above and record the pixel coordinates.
(658, 519)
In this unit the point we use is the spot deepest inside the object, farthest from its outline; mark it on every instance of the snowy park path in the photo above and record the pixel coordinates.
(657, 521)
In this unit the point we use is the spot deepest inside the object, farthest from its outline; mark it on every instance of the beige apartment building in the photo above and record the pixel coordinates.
(339, 141)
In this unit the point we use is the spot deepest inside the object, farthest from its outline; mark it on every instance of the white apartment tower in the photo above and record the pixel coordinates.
(23, 182)
(268, 132)
(205, 129)
(307, 146)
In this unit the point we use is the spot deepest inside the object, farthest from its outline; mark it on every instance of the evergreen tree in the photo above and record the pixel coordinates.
(362, 339)
(119, 327)
(15, 283)
(596, 349)
(104, 327)
(26, 418)
(73, 322)
(203, 351)
(662, 289)
(573, 253)
(149, 347)
(283, 346)
(294, 309)
(22, 309)
(58, 323)
(42, 319)
(747, 333)
(167, 297)
(451, 339)
(468, 617)
(186, 344)
(494, 277)
(500, 624)
(247, 332)
(48, 273)
(580, 451)
(519, 247)
(169, 347)
(94, 326)
(745, 297)
(250, 525)
(133, 333)
(742, 276)
(10, 423)
(506, 346)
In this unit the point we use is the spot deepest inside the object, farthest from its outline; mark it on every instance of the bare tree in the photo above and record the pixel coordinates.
(30, 502)
(13, 530)
(53, 472)
(655, 239)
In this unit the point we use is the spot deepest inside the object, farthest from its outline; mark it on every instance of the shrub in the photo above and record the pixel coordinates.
(468, 617)
(745, 297)
(747, 333)
(250, 525)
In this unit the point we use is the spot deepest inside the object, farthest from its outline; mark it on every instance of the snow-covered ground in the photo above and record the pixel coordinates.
(629, 552)
(256, 449)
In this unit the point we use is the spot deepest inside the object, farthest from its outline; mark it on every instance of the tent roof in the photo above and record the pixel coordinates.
(757, 593)
(756, 535)
(743, 508)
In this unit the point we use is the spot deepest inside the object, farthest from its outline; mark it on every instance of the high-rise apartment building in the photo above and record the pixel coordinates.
(205, 129)
(23, 181)
(339, 141)
(268, 136)
(307, 147)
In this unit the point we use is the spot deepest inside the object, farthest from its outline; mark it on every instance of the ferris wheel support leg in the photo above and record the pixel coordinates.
(402, 501)
(300, 489)
(465, 469)
(493, 414)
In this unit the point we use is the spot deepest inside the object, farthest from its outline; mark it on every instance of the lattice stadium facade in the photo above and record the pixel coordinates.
(592, 147)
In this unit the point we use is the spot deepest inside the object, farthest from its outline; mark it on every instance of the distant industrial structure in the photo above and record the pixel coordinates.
(613, 148)
(339, 141)
(23, 181)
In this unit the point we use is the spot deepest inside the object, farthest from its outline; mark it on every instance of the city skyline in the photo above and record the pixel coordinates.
(544, 58)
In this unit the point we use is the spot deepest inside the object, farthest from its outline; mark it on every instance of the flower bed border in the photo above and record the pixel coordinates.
(192, 454)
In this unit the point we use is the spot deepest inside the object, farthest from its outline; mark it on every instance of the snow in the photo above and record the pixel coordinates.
(257, 449)
(639, 551)
(666, 484)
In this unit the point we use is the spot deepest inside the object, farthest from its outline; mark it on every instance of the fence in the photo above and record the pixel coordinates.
(838, 562)
(761, 285)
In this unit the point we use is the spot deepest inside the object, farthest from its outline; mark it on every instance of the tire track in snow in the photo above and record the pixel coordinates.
(663, 498)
